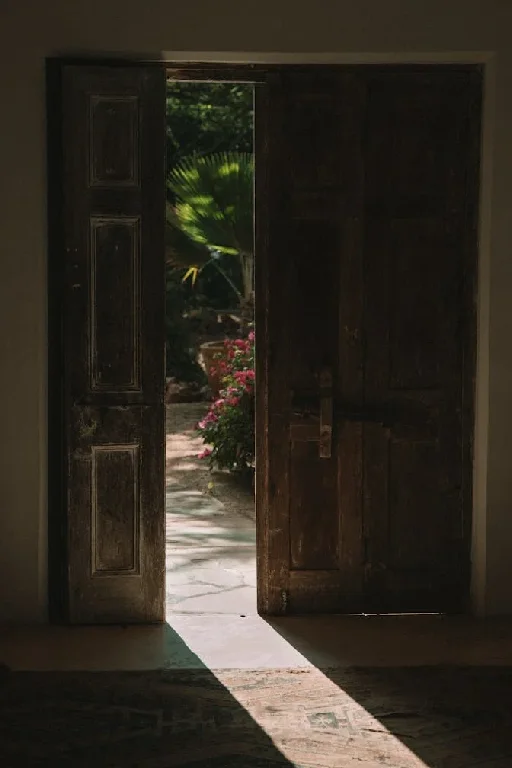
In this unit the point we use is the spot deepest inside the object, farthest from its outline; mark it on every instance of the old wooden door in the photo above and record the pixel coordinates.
(364, 501)
(113, 365)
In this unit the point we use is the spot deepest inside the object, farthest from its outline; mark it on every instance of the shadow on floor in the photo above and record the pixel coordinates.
(449, 715)
(459, 717)
(190, 473)
(172, 717)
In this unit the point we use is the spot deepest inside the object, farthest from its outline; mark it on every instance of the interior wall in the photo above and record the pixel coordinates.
(269, 30)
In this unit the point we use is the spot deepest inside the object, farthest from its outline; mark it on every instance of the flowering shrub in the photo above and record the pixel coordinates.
(228, 427)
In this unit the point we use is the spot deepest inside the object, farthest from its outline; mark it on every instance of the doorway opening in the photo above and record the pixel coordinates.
(210, 343)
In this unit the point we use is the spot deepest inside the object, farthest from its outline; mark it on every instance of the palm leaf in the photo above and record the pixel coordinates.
(181, 249)
(215, 200)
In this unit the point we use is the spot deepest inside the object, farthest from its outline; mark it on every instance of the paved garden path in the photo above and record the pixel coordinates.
(210, 541)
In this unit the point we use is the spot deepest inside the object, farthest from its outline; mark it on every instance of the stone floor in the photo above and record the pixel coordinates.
(210, 545)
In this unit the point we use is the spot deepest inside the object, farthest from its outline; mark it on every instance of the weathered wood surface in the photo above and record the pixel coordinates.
(114, 181)
(372, 182)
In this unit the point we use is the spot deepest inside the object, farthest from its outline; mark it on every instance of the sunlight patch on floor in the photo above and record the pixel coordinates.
(235, 642)
(329, 711)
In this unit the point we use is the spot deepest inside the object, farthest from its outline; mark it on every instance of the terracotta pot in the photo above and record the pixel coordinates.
(207, 354)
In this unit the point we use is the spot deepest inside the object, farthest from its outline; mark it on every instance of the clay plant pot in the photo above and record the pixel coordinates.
(207, 360)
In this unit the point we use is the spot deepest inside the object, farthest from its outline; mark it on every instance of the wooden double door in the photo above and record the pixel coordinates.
(366, 203)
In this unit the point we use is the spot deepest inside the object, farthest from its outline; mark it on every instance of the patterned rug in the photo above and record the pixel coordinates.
(345, 718)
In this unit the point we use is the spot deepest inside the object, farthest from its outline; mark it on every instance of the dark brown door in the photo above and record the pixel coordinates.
(113, 189)
(371, 194)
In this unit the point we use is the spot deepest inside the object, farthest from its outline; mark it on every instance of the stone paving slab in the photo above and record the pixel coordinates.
(211, 537)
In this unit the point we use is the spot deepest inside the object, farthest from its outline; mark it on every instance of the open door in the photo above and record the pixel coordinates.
(113, 339)
(364, 497)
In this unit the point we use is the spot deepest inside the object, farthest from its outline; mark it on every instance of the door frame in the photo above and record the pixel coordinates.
(256, 74)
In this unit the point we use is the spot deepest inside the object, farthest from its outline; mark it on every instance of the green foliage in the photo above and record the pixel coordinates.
(204, 118)
(181, 249)
(214, 209)
(180, 353)
(215, 200)
(217, 280)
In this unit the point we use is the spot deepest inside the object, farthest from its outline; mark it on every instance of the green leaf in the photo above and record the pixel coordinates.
(215, 200)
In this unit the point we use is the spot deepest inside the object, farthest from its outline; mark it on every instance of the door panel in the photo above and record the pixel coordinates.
(115, 303)
(414, 263)
(114, 186)
(115, 483)
(314, 539)
(315, 216)
(368, 254)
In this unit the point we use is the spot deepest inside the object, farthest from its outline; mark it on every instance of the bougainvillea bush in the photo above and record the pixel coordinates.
(228, 427)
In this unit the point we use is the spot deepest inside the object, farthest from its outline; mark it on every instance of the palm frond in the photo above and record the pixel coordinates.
(181, 249)
(215, 200)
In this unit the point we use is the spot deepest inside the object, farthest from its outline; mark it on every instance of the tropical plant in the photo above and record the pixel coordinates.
(203, 118)
(213, 217)
(228, 427)
(180, 353)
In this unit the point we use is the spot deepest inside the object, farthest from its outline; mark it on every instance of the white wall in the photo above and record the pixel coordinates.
(31, 30)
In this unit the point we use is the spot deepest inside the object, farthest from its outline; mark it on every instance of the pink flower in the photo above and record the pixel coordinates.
(220, 368)
(245, 378)
(233, 401)
(251, 336)
(204, 454)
